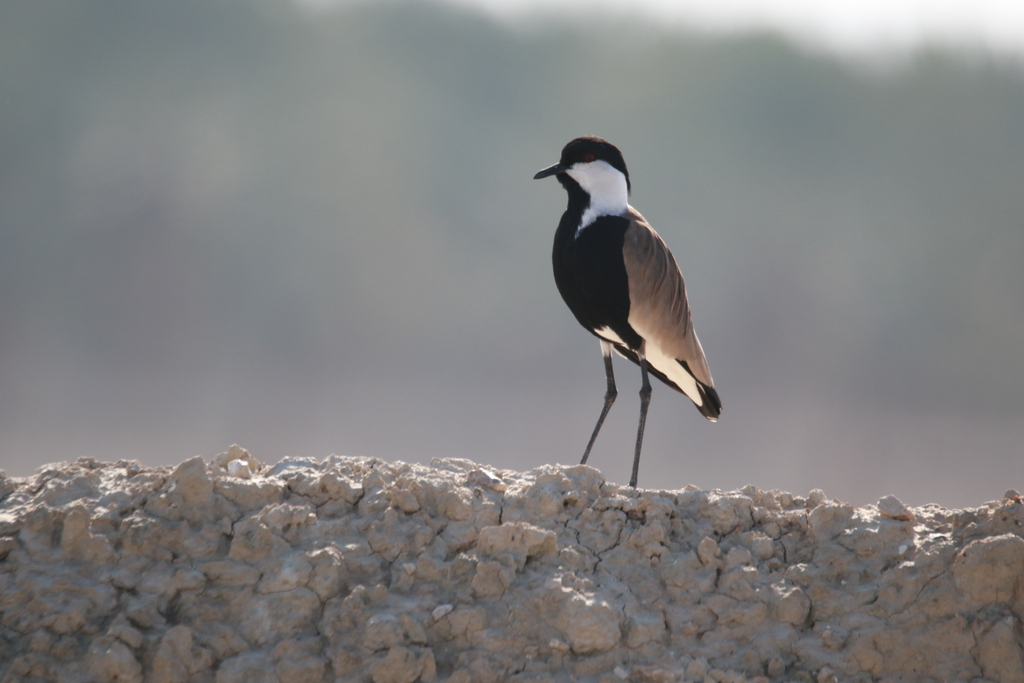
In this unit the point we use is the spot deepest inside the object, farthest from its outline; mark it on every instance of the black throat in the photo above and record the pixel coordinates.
(579, 199)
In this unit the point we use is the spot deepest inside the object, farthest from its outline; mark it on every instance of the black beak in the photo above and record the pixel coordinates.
(550, 171)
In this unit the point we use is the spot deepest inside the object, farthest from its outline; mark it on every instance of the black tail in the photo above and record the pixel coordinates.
(712, 407)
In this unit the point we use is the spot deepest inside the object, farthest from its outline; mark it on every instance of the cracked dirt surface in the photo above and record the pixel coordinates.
(353, 569)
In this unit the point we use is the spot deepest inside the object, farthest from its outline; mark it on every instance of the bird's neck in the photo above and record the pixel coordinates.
(606, 187)
(606, 196)
(569, 225)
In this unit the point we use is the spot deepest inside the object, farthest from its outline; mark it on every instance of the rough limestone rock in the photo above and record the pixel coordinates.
(357, 570)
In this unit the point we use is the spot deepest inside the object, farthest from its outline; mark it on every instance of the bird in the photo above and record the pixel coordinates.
(622, 283)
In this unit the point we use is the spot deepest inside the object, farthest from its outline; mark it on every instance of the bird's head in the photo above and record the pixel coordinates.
(594, 164)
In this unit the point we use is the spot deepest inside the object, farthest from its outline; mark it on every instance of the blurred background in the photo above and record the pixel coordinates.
(311, 228)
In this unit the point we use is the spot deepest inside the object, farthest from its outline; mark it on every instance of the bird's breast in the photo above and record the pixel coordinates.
(591, 275)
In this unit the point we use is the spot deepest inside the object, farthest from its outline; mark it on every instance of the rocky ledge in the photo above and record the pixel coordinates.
(353, 569)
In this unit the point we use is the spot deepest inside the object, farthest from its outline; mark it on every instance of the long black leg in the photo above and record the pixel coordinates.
(645, 400)
(609, 397)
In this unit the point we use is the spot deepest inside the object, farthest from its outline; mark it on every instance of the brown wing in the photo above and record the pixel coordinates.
(659, 311)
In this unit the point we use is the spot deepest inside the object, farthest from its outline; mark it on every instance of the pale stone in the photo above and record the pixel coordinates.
(124, 632)
(791, 604)
(644, 628)
(999, 652)
(284, 574)
(249, 667)
(326, 576)
(708, 551)
(738, 556)
(284, 517)
(111, 660)
(302, 669)
(697, 669)
(352, 568)
(762, 546)
(79, 543)
(190, 487)
(453, 505)
(382, 632)
(518, 540)
(492, 579)
(252, 541)
(400, 665)
(173, 660)
(729, 513)
(231, 573)
(240, 469)
(266, 619)
(592, 625)
(988, 570)
(827, 675)
(223, 641)
(815, 498)
(488, 479)
(236, 454)
(559, 646)
(891, 507)
(250, 495)
(406, 501)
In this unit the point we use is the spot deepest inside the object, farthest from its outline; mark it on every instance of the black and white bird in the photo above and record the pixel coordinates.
(622, 283)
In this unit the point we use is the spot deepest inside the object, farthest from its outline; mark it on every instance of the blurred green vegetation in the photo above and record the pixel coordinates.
(316, 230)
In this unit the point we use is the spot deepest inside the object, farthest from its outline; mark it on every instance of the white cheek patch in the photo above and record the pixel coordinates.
(606, 185)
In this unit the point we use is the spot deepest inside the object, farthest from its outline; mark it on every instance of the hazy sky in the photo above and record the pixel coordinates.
(313, 237)
(858, 26)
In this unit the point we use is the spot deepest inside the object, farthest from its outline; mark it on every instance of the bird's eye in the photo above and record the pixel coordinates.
(588, 157)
